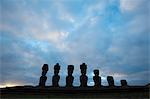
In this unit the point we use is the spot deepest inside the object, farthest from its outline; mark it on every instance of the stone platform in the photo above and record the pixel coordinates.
(105, 92)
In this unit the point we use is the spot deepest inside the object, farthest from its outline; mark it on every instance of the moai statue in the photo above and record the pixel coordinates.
(70, 78)
(123, 83)
(56, 77)
(110, 81)
(83, 77)
(97, 79)
(43, 78)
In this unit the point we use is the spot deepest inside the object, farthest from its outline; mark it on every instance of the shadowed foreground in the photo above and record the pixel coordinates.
(117, 92)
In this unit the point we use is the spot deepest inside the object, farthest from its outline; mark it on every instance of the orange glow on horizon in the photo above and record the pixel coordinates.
(9, 85)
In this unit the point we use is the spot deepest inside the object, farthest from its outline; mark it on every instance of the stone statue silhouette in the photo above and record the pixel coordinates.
(123, 83)
(43, 78)
(70, 78)
(56, 77)
(97, 79)
(110, 81)
(83, 77)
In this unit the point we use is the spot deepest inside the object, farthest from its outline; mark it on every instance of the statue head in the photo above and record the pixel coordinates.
(110, 80)
(96, 72)
(70, 69)
(45, 67)
(83, 68)
(123, 83)
(56, 68)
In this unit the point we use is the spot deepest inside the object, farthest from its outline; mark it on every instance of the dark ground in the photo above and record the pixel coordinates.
(105, 92)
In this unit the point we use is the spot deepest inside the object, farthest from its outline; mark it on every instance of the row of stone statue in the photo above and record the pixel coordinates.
(70, 78)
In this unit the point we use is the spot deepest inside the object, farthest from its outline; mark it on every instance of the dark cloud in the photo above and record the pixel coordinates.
(106, 35)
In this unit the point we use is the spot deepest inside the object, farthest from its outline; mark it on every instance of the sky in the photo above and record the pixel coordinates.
(109, 35)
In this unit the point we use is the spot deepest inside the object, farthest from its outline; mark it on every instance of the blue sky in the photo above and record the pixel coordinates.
(109, 35)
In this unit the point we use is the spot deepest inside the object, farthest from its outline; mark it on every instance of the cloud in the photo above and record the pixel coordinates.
(98, 33)
(130, 5)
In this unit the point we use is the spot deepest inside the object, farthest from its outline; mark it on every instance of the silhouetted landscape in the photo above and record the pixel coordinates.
(74, 49)
(76, 92)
